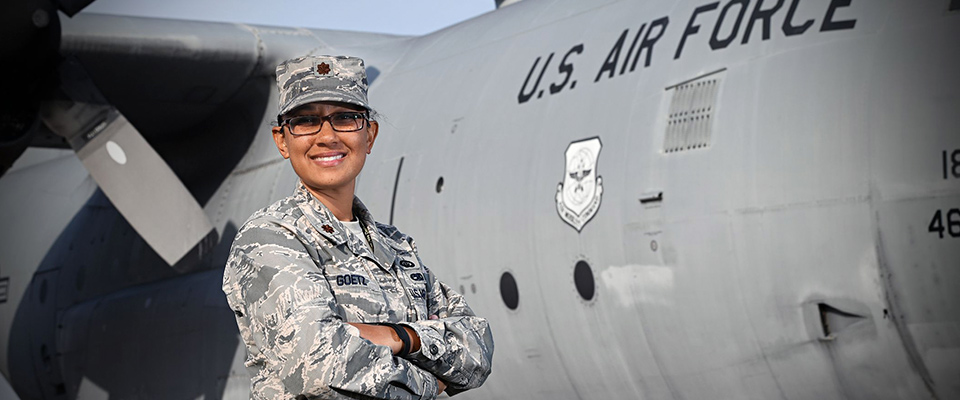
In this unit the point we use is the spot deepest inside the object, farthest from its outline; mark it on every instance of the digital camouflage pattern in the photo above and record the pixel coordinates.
(308, 79)
(296, 276)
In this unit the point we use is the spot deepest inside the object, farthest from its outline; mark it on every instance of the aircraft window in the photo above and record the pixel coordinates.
(440, 184)
(583, 279)
(508, 291)
(691, 114)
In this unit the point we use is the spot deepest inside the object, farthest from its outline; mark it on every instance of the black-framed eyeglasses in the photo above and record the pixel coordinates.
(305, 125)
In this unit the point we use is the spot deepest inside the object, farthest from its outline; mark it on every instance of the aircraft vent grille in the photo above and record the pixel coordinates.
(690, 119)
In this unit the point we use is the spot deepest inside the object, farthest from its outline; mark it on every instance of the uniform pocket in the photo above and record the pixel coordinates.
(356, 292)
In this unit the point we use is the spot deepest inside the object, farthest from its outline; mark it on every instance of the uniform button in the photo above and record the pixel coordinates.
(434, 349)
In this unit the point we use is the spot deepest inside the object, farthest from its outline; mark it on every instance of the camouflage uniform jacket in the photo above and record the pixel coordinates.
(296, 275)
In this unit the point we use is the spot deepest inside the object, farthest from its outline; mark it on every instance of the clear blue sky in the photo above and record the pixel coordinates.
(404, 17)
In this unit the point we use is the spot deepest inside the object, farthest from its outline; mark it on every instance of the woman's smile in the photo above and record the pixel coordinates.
(329, 159)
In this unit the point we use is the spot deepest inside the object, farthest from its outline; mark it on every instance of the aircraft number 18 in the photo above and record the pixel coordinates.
(951, 164)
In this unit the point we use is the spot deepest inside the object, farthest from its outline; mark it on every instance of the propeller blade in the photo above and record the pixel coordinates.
(134, 177)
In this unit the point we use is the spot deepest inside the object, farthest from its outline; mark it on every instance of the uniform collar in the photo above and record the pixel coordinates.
(319, 216)
(328, 226)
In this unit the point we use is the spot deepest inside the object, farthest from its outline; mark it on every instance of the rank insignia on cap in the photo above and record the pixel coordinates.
(323, 68)
(327, 228)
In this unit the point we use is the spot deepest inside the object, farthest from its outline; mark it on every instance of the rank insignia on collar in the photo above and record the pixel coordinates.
(323, 68)
(327, 228)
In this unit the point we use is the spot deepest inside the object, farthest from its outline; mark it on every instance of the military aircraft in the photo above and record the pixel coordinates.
(733, 199)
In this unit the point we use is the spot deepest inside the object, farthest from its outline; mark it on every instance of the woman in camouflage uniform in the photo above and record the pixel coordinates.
(330, 303)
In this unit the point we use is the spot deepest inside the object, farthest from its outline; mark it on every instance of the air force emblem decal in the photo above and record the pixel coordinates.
(578, 196)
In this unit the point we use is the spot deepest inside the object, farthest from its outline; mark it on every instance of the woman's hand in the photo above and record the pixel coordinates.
(441, 386)
(385, 336)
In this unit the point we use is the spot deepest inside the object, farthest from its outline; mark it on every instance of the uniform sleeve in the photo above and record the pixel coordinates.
(296, 333)
(458, 347)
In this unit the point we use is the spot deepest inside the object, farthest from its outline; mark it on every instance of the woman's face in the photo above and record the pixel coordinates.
(329, 161)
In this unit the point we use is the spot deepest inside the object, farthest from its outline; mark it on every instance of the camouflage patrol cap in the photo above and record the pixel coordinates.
(309, 79)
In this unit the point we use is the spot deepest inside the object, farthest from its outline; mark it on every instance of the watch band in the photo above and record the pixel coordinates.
(404, 338)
